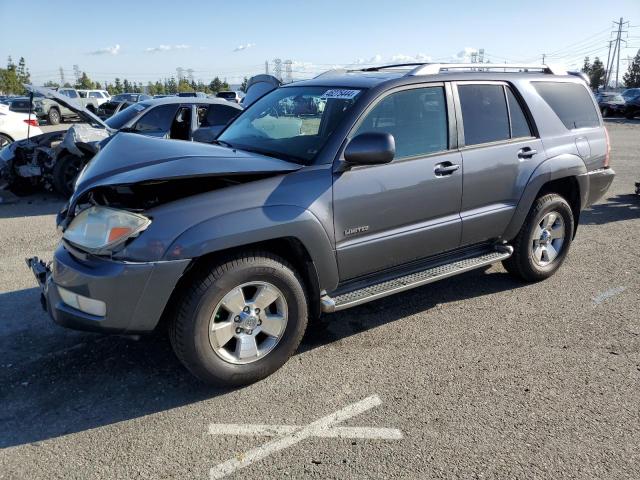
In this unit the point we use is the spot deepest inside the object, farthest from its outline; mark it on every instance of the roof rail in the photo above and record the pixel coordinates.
(435, 68)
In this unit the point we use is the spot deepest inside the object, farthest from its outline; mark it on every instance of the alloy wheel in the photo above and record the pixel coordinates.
(548, 239)
(248, 322)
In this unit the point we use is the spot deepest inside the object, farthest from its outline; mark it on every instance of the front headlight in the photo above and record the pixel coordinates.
(100, 229)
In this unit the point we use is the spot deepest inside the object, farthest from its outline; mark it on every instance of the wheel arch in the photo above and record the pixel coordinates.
(290, 249)
(564, 175)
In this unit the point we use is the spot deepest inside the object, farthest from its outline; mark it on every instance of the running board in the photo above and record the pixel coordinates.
(413, 280)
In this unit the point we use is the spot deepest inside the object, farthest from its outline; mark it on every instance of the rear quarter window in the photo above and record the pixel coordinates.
(571, 102)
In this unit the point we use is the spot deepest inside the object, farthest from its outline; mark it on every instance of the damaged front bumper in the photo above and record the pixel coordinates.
(102, 295)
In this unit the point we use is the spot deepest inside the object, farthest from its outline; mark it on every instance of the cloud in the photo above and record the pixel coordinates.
(367, 61)
(107, 50)
(166, 48)
(239, 48)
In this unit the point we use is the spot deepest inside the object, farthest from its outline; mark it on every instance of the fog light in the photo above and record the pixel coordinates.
(84, 304)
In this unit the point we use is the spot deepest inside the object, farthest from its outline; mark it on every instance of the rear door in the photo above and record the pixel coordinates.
(500, 150)
(388, 215)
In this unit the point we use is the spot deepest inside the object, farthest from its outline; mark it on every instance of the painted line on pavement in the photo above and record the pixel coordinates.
(287, 436)
(612, 292)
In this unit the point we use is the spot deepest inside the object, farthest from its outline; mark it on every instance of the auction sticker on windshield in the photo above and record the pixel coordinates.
(340, 93)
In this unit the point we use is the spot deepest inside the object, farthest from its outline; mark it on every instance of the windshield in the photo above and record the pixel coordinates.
(124, 116)
(293, 123)
(231, 95)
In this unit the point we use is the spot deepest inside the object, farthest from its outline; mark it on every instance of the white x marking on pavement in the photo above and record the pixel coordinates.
(289, 435)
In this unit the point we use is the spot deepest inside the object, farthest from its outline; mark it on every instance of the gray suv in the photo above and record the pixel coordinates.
(322, 195)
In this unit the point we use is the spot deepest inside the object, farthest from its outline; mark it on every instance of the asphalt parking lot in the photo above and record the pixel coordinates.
(477, 376)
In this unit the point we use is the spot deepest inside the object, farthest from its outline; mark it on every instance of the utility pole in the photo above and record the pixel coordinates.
(61, 77)
(266, 67)
(616, 51)
(543, 57)
(606, 71)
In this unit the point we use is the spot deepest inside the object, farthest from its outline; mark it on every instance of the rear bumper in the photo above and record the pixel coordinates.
(599, 182)
(135, 294)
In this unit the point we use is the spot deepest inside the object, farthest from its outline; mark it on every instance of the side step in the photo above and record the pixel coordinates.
(413, 280)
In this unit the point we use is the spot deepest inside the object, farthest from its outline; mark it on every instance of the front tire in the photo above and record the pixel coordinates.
(241, 320)
(54, 117)
(65, 173)
(543, 241)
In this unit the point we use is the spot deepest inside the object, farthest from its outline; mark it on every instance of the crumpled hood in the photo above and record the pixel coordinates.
(129, 158)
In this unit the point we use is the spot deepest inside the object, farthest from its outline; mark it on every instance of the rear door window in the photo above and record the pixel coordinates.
(219, 115)
(416, 118)
(571, 102)
(484, 113)
(158, 119)
(519, 124)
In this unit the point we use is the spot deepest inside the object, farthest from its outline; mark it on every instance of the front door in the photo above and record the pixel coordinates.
(388, 215)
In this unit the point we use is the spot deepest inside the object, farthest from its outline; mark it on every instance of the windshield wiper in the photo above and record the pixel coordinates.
(222, 143)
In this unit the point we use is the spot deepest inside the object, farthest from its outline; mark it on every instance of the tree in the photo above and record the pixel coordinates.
(596, 74)
(185, 86)
(22, 72)
(85, 82)
(631, 79)
(216, 85)
(51, 84)
(172, 86)
(243, 86)
(126, 85)
(9, 79)
(117, 87)
(586, 67)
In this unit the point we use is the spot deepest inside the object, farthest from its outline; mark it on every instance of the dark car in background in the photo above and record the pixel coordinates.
(119, 102)
(610, 103)
(230, 96)
(20, 105)
(631, 98)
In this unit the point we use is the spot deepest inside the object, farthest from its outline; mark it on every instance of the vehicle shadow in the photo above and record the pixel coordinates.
(473, 284)
(616, 209)
(55, 382)
(622, 120)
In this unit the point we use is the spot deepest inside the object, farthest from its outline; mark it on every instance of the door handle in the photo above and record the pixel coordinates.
(526, 152)
(445, 168)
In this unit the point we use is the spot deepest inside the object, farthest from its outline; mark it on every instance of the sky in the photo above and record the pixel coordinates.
(145, 41)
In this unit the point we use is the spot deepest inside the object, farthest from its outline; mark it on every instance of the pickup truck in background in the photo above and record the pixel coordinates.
(54, 113)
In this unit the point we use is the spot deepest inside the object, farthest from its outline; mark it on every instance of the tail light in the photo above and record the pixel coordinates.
(32, 121)
(608, 154)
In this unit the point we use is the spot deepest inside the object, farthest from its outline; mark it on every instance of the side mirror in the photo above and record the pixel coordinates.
(370, 148)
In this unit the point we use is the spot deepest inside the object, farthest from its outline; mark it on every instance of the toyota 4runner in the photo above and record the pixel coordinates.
(323, 195)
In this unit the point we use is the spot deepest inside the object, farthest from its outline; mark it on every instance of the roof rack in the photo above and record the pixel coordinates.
(435, 68)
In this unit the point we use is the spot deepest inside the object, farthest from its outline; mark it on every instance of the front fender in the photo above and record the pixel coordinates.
(561, 166)
(256, 225)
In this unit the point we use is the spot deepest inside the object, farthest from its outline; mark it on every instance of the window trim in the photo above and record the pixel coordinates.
(451, 123)
(462, 146)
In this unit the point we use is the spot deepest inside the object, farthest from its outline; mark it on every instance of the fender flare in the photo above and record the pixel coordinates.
(554, 168)
(259, 224)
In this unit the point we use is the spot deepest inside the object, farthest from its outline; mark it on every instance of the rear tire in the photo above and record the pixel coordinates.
(65, 173)
(543, 241)
(54, 117)
(205, 308)
(605, 112)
